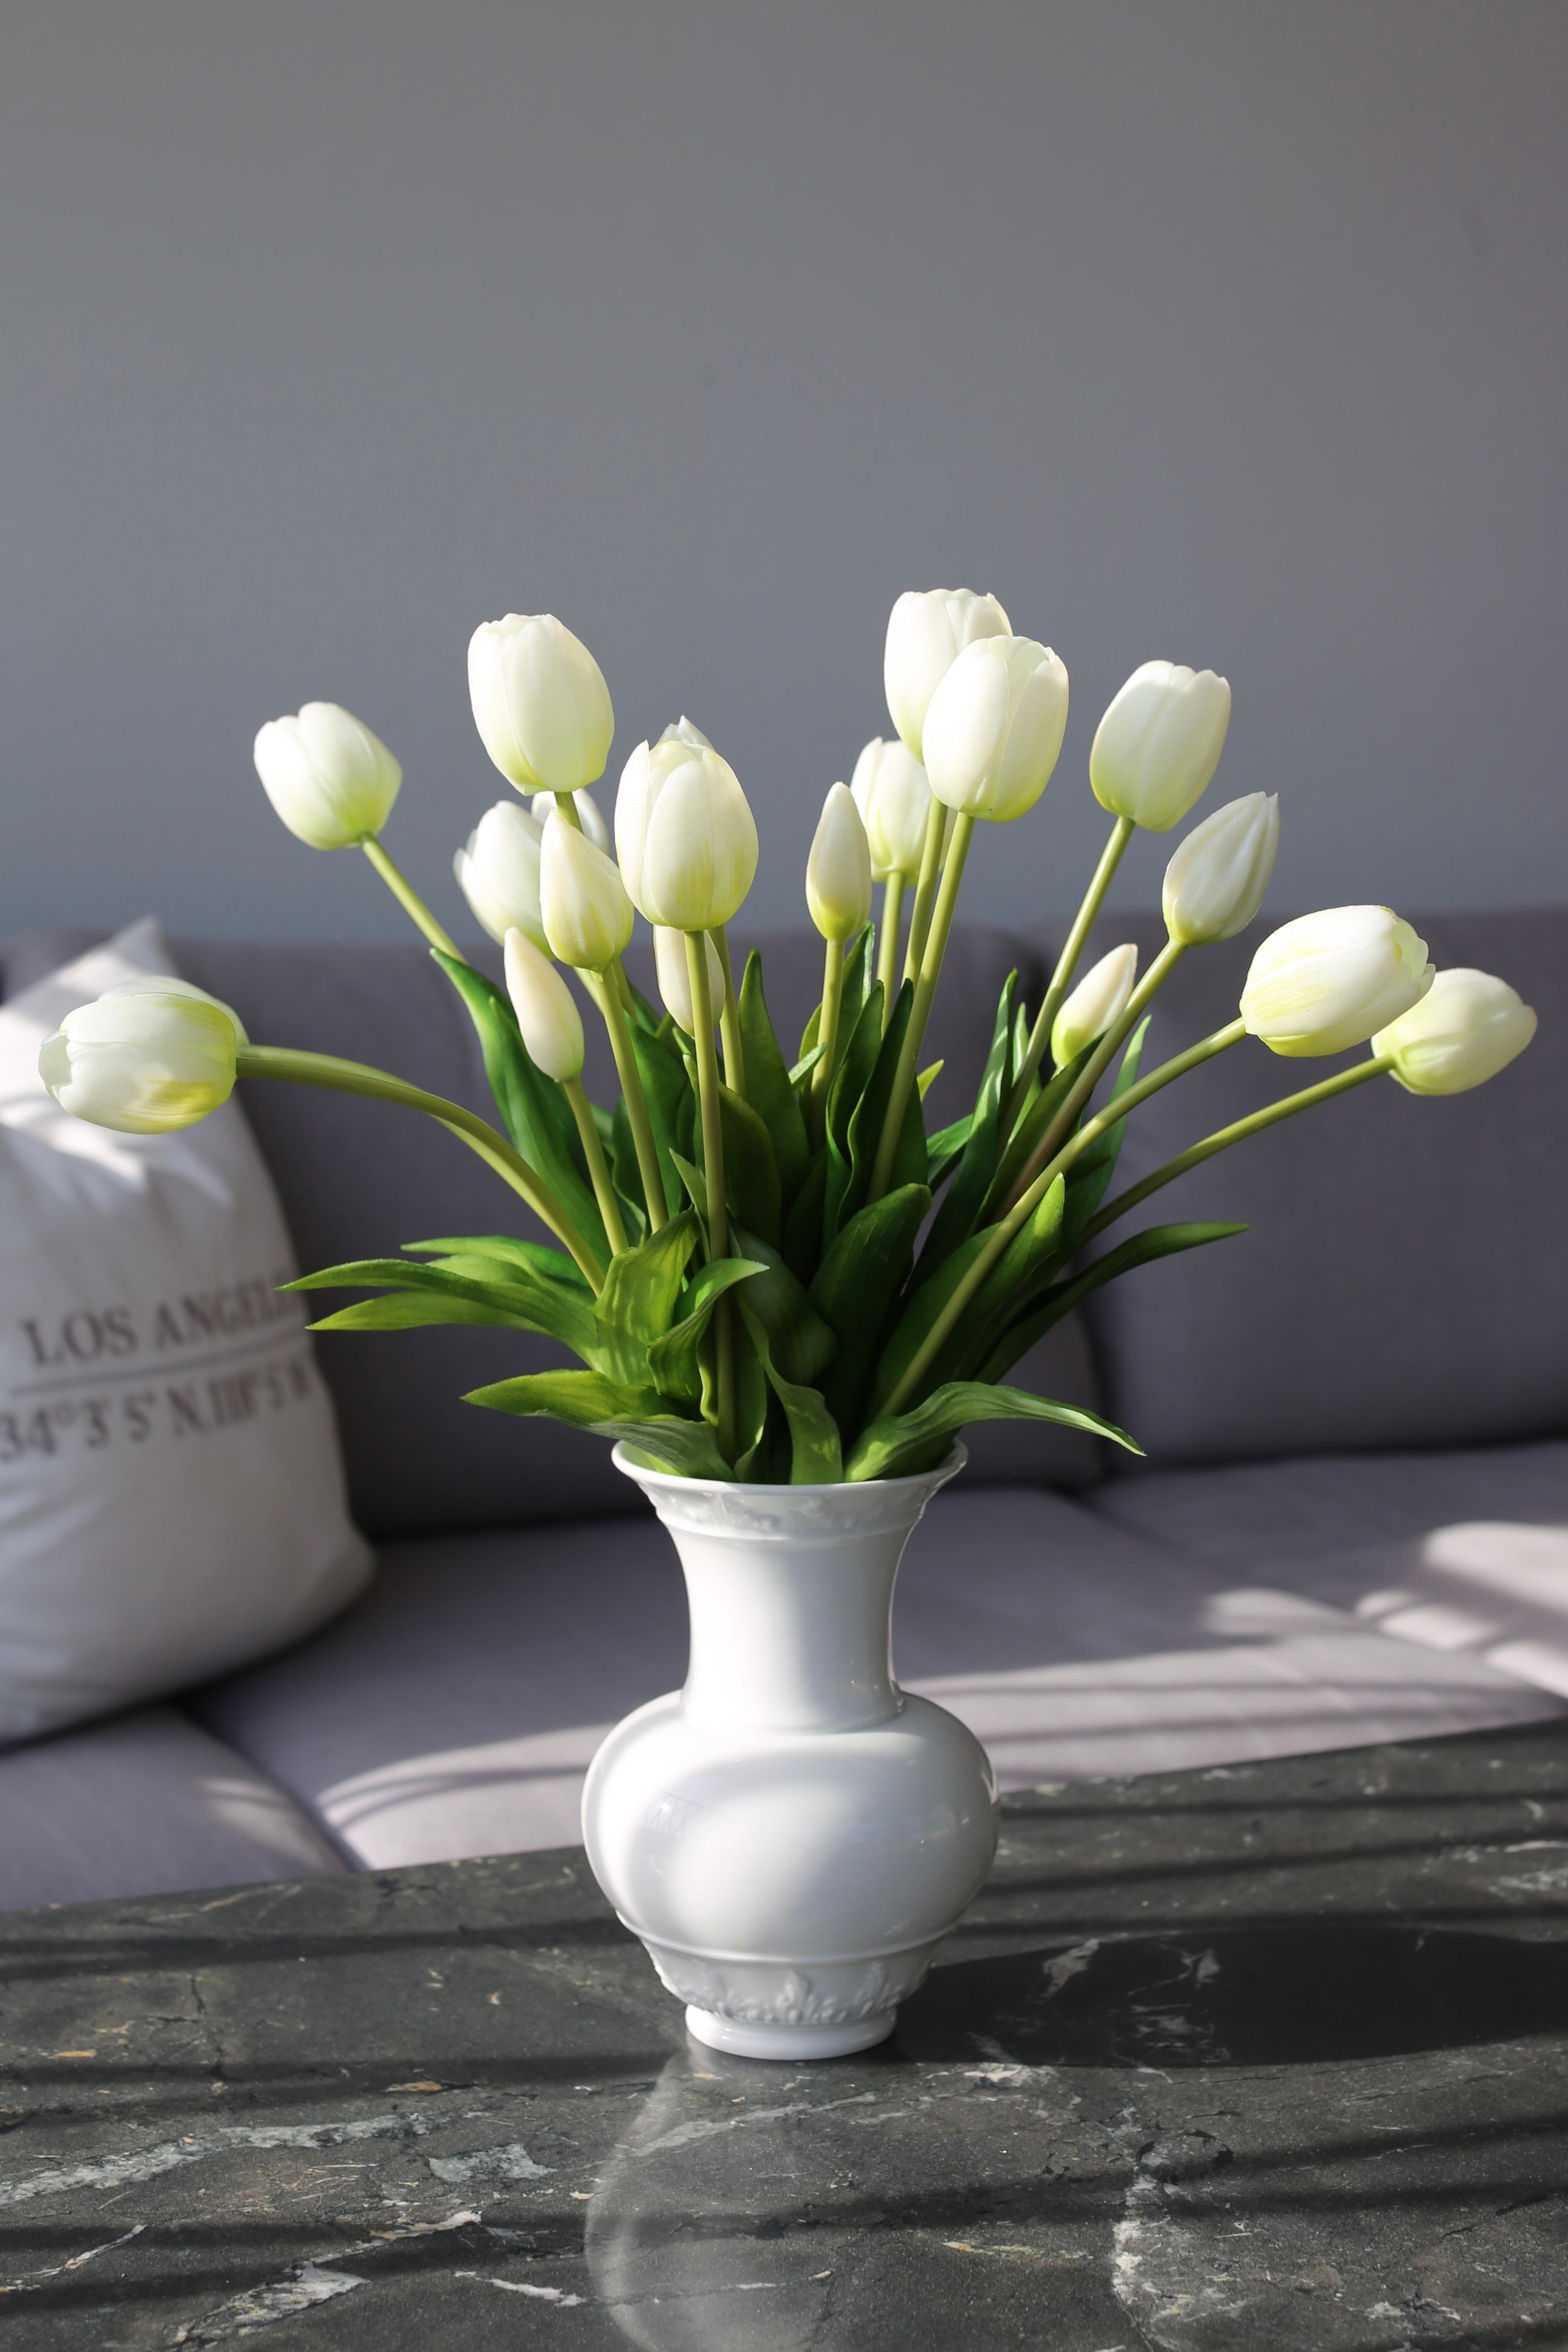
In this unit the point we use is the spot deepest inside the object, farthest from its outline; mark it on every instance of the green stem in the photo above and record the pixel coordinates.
(887, 947)
(925, 888)
(729, 1017)
(598, 1174)
(407, 897)
(924, 992)
(1094, 1069)
(827, 1036)
(566, 806)
(608, 997)
(1018, 1216)
(713, 1172)
(379, 1085)
(1225, 1137)
(1122, 833)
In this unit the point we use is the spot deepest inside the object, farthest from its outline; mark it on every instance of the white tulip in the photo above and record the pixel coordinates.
(542, 805)
(551, 1022)
(994, 728)
(328, 778)
(893, 798)
(147, 984)
(838, 871)
(675, 977)
(684, 836)
(685, 730)
(1466, 1028)
(1330, 980)
(499, 871)
(540, 703)
(583, 904)
(1159, 743)
(1100, 998)
(1216, 881)
(925, 634)
(147, 1058)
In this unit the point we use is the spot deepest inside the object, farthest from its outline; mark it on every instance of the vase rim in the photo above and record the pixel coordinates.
(623, 1456)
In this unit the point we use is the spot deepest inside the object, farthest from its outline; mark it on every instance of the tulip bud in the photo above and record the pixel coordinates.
(330, 779)
(1100, 998)
(684, 836)
(1216, 881)
(685, 730)
(1159, 743)
(583, 904)
(1466, 1028)
(549, 1021)
(1330, 980)
(838, 871)
(540, 703)
(543, 805)
(675, 977)
(890, 791)
(499, 872)
(925, 635)
(994, 728)
(147, 1058)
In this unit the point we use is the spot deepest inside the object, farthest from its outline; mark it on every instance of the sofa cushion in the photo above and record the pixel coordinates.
(1460, 1551)
(455, 1709)
(144, 1804)
(356, 1179)
(1403, 1283)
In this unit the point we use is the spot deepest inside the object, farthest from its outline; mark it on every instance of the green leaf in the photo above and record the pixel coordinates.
(1088, 1177)
(751, 1399)
(803, 1345)
(641, 1293)
(803, 1233)
(550, 1265)
(769, 1088)
(634, 1416)
(860, 966)
(751, 1185)
(672, 1360)
(534, 1111)
(912, 1442)
(856, 1285)
(1142, 1249)
(1037, 1244)
(945, 1149)
(660, 1065)
(816, 1456)
(527, 1300)
(856, 1069)
(956, 1218)
(909, 1164)
(403, 1310)
(696, 1183)
(1030, 1127)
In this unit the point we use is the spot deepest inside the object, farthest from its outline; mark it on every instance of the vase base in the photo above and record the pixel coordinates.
(789, 2041)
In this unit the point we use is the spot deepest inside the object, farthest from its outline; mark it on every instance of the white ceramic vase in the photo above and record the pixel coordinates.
(792, 1834)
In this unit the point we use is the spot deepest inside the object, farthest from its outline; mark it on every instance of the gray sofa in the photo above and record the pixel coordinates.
(1351, 1523)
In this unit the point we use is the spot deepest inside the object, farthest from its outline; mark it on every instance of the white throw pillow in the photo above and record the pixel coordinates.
(172, 1495)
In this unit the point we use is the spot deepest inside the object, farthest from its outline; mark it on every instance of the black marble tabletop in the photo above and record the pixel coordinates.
(1270, 2055)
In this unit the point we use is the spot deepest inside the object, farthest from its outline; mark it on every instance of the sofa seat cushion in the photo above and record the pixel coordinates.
(144, 1804)
(454, 1711)
(1464, 1551)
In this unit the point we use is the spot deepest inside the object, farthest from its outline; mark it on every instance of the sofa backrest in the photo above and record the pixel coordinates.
(1405, 1281)
(357, 1180)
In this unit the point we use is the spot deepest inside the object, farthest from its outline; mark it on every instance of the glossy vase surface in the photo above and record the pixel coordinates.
(790, 1834)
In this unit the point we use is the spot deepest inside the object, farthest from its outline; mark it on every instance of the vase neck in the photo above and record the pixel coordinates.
(791, 1636)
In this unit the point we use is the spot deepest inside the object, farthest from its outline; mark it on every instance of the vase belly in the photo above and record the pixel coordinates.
(791, 1878)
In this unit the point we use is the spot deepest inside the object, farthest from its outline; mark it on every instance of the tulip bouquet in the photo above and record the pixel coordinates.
(770, 1270)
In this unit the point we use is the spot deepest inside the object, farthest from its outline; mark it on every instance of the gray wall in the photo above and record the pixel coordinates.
(1229, 332)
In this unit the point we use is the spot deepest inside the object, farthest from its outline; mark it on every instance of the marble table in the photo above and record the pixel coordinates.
(1267, 2055)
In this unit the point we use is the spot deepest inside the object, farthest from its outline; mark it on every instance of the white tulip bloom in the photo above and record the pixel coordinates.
(675, 977)
(543, 805)
(1159, 743)
(540, 703)
(684, 836)
(499, 871)
(685, 730)
(994, 728)
(1466, 1028)
(925, 634)
(1216, 881)
(328, 778)
(890, 791)
(838, 871)
(549, 1021)
(1330, 980)
(1100, 998)
(583, 904)
(147, 1058)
